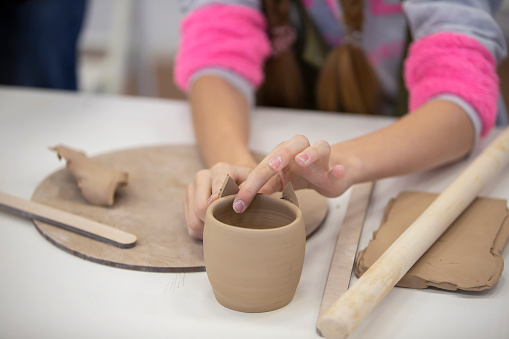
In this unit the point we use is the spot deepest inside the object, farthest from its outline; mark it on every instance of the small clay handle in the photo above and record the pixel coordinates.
(230, 187)
(68, 221)
(289, 194)
(350, 309)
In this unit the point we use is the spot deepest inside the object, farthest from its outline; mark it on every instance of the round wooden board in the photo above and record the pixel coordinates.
(150, 207)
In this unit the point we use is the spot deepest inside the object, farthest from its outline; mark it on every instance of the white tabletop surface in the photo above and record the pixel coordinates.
(48, 293)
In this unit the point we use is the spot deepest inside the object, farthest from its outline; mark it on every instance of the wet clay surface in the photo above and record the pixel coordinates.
(150, 207)
(466, 257)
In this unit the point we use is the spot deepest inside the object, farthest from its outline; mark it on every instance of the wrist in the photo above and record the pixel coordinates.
(353, 165)
(232, 156)
(245, 160)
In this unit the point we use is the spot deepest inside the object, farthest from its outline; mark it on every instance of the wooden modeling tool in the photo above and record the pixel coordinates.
(68, 221)
(346, 247)
(349, 310)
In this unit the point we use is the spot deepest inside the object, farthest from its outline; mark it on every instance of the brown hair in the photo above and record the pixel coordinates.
(346, 81)
(283, 85)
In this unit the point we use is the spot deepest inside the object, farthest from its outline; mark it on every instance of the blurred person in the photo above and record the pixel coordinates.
(352, 56)
(38, 42)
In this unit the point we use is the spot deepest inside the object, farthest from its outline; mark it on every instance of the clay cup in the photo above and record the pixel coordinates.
(254, 259)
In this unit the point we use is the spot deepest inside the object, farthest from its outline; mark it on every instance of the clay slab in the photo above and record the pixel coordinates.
(466, 257)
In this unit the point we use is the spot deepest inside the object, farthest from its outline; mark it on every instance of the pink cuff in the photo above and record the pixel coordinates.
(449, 63)
(226, 36)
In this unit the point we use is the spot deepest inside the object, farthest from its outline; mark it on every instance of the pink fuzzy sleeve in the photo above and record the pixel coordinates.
(226, 36)
(449, 63)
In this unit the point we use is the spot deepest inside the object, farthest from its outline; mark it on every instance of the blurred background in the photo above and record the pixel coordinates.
(128, 47)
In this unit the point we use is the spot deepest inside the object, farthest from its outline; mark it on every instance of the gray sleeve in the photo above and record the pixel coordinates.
(470, 17)
(234, 79)
(187, 6)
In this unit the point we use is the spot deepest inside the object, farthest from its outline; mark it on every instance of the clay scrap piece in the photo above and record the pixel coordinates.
(229, 187)
(289, 194)
(466, 257)
(96, 182)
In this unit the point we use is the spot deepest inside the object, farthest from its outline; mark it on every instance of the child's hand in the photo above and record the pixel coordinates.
(296, 161)
(198, 195)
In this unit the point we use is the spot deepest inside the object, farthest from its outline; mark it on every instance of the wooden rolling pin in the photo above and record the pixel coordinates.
(71, 222)
(351, 308)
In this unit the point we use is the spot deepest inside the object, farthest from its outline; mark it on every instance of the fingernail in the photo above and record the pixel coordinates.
(211, 199)
(303, 158)
(239, 206)
(275, 163)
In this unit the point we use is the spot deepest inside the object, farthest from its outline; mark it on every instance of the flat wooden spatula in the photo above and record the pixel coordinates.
(68, 221)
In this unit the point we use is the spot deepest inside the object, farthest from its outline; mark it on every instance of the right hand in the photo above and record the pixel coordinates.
(298, 162)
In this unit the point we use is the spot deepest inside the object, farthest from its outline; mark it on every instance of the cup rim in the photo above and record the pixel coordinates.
(210, 213)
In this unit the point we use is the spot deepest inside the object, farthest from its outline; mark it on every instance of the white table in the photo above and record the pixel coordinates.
(48, 293)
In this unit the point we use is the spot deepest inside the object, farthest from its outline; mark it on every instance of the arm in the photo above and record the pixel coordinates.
(221, 54)
(437, 133)
(460, 63)
(457, 45)
(222, 132)
(221, 122)
(219, 64)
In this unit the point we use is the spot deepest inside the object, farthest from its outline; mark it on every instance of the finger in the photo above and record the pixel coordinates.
(279, 158)
(193, 222)
(337, 173)
(332, 184)
(272, 186)
(318, 152)
(185, 209)
(282, 155)
(202, 193)
(218, 174)
(195, 234)
(221, 170)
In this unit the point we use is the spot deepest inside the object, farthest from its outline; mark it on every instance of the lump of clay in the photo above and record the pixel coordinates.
(96, 182)
(466, 257)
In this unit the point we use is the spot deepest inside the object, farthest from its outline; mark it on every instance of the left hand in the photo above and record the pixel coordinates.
(295, 160)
